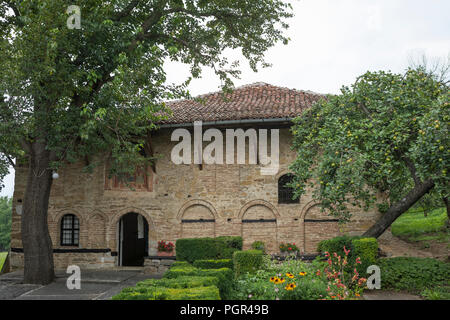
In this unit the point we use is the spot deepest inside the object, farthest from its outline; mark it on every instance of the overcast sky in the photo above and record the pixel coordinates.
(334, 41)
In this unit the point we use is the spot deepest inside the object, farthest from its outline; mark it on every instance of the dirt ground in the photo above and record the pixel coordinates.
(396, 247)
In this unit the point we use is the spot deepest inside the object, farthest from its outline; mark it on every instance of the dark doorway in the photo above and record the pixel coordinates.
(133, 239)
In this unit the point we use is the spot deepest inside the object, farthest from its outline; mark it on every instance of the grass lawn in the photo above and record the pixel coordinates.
(2, 258)
(414, 226)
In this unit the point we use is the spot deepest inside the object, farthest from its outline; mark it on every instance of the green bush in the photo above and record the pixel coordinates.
(336, 244)
(247, 261)
(307, 290)
(180, 264)
(162, 293)
(213, 264)
(180, 282)
(367, 250)
(224, 276)
(413, 274)
(437, 293)
(227, 245)
(207, 248)
(196, 249)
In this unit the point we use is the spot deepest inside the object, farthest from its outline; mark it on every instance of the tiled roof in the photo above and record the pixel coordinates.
(254, 101)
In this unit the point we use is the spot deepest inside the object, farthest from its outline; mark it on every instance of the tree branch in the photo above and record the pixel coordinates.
(411, 167)
(398, 208)
(125, 12)
(11, 162)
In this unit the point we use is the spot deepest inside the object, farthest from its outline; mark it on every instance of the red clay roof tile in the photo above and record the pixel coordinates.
(254, 101)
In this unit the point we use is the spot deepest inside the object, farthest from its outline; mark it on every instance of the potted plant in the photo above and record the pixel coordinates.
(288, 249)
(165, 248)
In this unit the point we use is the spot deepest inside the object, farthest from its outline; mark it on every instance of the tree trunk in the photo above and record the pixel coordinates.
(448, 210)
(398, 208)
(37, 244)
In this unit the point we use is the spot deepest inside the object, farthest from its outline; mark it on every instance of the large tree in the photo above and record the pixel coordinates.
(67, 94)
(386, 134)
(5, 223)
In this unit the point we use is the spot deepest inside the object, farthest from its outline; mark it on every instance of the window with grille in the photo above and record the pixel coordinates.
(285, 193)
(70, 230)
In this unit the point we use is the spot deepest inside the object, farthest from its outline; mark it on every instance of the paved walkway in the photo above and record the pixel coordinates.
(388, 295)
(95, 285)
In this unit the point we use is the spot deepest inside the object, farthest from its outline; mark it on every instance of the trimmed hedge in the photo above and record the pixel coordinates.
(162, 293)
(192, 249)
(336, 244)
(227, 245)
(224, 276)
(180, 282)
(247, 261)
(365, 248)
(213, 264)
(413, 274)
(180, 264)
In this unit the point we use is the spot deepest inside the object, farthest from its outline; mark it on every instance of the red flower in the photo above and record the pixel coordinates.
(346, 251)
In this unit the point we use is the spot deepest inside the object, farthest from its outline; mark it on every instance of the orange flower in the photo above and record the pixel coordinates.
(289, 275)
(290, 286)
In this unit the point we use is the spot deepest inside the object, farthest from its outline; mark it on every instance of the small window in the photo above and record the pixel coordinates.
(285, 193)
(70, 230)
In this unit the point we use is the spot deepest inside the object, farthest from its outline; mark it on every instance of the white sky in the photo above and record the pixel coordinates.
(334, 41)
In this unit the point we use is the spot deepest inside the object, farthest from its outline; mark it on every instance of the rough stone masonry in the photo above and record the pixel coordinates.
(190, 200)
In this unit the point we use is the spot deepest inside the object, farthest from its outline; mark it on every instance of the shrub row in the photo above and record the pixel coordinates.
(224, 276)
(163, 293)
(247, 261)
(182, 288)
(207, 248)
(180, 282)
(213, 264)
(180, 264)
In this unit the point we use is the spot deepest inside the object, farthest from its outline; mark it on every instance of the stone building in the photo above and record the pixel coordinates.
(99, 222)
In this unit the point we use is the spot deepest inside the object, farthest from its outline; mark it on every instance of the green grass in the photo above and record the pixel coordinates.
(2, 259)
(414, 225)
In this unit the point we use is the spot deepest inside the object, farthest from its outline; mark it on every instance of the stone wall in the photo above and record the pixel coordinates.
(173, 198)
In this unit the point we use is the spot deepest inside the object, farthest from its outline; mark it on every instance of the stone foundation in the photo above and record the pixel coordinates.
(63, 260)
(157, 265)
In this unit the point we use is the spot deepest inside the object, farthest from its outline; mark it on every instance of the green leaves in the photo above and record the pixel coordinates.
(374, 139)
(100, 89)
